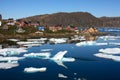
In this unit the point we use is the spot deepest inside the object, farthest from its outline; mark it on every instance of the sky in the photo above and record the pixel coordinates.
(24, 8)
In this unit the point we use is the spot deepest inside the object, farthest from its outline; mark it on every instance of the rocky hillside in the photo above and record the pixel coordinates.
(111, 21)
(83, 19)
(64, 19)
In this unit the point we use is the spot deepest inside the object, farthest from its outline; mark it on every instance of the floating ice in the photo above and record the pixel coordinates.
(25, 43)
(114, 43)
(8, 65)
(108, 53)
(31, 45)
(12, 51)
(62, 76)
(44, 55)
(33, 70)
(75, 73)
(104, 55)
(110, 50)
(113, 57)
(90, 43)
(60, 40)
(109, 37)
(59, 55)
(14, 40)
(46, 49)
(10, 59)
(101, 44)
(85, 43)
(59, 59)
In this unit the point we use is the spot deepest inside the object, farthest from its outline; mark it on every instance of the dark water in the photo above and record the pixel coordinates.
(86, 67)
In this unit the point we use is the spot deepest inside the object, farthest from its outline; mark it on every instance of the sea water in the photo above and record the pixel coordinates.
(86, 66)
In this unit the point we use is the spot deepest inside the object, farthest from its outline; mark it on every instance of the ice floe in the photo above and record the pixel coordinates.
(59, 58)
(109, 53)
(33, 69)
(10, 59)
(58, 40)
(90, 43)
(14, 40)
(62, 76)
(107, 56)
(46, 50)
(12, 51)
(110, 50)
(7, 65)
(31, 45)
(109, 37)
(44, 55)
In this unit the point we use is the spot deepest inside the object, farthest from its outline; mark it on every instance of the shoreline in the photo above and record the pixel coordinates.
(47, 35)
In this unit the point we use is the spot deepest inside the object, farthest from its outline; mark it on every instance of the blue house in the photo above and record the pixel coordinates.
(41, 28)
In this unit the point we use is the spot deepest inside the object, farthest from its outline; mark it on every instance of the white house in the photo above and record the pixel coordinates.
(0, 23)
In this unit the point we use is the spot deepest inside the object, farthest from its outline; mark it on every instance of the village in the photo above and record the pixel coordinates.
(10, 28)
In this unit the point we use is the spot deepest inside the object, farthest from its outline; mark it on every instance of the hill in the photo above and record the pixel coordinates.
(111, 21)
(83, 19)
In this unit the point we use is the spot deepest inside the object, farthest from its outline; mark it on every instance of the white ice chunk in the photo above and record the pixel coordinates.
(46, 49)
(60, 63)
(110, 50)
(12, 51)
(107, 56)
(75, 73)
(33, 70)
(101, 44)
(104, 55)
(62, 76)
(8, 65)
(59, 55)
(59, 59)
(90, 43)
(60, 40)
(68, 59)
(14, 40)
(109, 37)
(31, 45)
(44, 55)
(79, 79)
(114, 43)
(9, 59)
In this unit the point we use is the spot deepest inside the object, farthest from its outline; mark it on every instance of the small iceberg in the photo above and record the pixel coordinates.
(44, 55)
(57, 40)
(59, 58)
(45, 50)
(14, 40)
(10, 59)
(12, 51)
(110, 50)
(109, 53)
(107, 56)
(90, 43)
(33, 70)
(62, 76)
(86, 43)
(8, 65)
